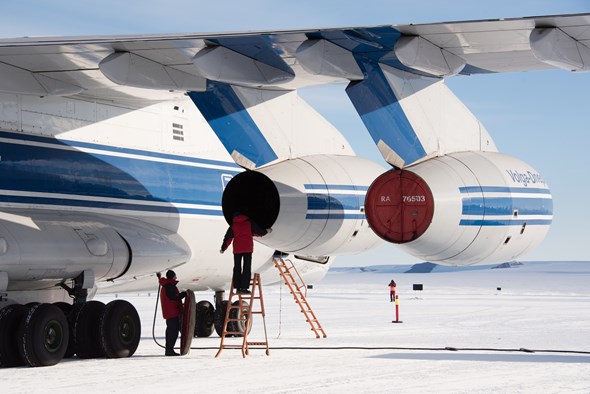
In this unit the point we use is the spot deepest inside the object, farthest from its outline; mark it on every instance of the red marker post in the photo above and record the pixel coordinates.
(397, 320)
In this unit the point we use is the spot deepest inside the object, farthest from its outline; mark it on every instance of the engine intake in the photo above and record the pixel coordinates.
(314, 204)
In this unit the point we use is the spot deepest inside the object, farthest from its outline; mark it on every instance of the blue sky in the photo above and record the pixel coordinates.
(539, 117)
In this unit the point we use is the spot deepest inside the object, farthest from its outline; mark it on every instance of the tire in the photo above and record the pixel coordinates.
(234, 314)
(68, 310)
(10, 318)
(204, 319)
(44, 335)
(219, 317)
(87, 330)
(120, 329)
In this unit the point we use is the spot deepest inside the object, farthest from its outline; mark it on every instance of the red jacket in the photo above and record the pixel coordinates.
(171, 306)
(241, 232)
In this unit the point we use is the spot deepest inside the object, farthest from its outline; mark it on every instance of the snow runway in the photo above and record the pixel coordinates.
(541, 306)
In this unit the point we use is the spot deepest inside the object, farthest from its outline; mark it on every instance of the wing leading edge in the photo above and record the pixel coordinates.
(109, 66)
(395, 75)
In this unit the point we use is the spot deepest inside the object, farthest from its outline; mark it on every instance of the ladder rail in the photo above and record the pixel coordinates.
(248, 312)
(300, 298)
(298, 275)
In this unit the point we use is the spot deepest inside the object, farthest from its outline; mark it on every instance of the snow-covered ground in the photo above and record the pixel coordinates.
(541, 306)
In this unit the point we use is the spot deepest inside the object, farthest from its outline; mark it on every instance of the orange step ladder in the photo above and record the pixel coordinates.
(242, 314)
(296, 284)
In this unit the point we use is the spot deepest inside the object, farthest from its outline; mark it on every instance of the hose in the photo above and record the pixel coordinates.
(154, 321)
(447, 348)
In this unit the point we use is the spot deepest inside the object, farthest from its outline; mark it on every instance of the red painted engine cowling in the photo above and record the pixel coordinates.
(399, 206)
(462, 208)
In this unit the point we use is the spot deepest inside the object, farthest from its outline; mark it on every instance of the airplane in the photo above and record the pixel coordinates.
(124, 156)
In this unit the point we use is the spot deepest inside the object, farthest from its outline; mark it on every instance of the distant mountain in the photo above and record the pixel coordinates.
(423, 268)
(578, 267)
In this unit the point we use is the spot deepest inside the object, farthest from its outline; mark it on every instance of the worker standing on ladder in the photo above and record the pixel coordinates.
(241, 232)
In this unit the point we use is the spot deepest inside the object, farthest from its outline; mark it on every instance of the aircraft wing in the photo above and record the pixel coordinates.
(154, 67)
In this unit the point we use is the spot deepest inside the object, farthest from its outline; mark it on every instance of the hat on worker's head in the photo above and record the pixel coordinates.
(170, 274)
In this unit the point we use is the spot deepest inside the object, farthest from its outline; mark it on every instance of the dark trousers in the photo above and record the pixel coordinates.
(242, 274)
(172, 329)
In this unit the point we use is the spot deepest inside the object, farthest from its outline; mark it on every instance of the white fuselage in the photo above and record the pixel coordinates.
(78, 175)
(77, 161)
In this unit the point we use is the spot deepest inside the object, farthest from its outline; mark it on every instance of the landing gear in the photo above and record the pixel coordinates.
(111, 330)
(120, 329)
(242, 315)
(87, 341)
(43, 335)
(204, 319)
(10, 318)
(67, 311)
(219, 316)
(235, 326)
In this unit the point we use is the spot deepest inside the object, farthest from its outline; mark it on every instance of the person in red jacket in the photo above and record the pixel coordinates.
(171, 300)
(241, 232)
(392, 289)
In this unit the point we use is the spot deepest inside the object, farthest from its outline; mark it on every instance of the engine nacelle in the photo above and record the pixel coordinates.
(462, 209)
(52, 251)
(37, 254)
(314, 204)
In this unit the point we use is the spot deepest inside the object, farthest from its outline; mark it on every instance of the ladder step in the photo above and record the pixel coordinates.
(245, 304)
(296, 285)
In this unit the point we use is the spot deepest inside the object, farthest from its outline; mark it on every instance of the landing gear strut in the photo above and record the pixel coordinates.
(82, 283)
(42, 334)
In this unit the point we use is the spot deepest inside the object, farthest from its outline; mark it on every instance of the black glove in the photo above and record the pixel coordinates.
(159, 275)
(182, 294)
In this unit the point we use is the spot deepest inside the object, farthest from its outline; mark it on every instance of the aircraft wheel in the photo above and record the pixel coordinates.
(204, 319)
(68, 309)
(219, 317)
(120, 329)
(87, 330)
(43, 335)
(10, 318)
(239, 326)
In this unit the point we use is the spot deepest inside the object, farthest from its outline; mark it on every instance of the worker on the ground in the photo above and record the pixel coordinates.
(392, 289)
(171, 300)
(241, 232)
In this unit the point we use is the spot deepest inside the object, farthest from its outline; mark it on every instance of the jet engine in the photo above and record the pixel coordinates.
(462, 209)
(314, 204)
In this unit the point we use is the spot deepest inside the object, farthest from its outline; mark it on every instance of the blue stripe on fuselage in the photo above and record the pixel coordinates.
(50, 169)
(102, 204)
(23, 138)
